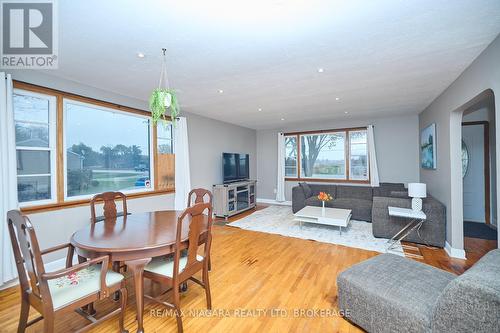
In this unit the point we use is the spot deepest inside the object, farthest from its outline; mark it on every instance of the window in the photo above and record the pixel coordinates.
(336, 155)
(323, 156)
(71, 147)
(34, 118)
(105, 150)
(358, 165)
(166, 160)
(290, 156)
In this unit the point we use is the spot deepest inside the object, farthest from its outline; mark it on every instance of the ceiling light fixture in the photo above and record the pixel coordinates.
(220, 91)
(346, 112)
(337, 98)
(282, 119)
(140, 55)
(259, 109)
(320, 70)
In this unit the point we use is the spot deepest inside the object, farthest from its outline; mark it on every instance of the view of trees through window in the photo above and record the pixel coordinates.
(106, 151)
(327, 156)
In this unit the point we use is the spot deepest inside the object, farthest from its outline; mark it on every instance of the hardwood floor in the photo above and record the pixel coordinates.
(252, 272)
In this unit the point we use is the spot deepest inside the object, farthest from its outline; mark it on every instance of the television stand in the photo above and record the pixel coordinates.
(233, 198)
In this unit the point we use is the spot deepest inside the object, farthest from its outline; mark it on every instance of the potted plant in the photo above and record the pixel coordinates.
(160, 101)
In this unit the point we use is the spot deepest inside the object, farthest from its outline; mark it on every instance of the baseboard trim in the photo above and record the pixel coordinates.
(274, 202)
(453, 252)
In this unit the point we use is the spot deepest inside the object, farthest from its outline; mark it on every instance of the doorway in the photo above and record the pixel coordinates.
(479, 177)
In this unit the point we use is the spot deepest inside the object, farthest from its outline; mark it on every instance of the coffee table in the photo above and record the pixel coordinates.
(332, 216)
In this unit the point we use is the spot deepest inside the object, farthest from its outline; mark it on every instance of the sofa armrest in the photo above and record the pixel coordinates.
(298, 198)
(433, 231)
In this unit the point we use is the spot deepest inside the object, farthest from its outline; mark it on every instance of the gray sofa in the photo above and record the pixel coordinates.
(389, 293)
(371, 204)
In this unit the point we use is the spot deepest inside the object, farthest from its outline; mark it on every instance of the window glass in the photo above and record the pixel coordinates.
(105, 150)
(290, 156)
(358, 166)
(323, 156)
(34, 118)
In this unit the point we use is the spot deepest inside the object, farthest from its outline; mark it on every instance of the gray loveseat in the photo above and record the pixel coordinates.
(389, 293)
(371, 204)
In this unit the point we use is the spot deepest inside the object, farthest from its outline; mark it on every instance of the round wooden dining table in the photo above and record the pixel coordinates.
(133, 239)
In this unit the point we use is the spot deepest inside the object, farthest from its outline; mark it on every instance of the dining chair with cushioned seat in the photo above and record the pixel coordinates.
(109, 206)
(172, 272)
(64, 290)
(201, 195)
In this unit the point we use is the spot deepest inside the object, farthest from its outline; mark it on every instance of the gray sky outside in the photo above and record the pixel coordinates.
(96, 128)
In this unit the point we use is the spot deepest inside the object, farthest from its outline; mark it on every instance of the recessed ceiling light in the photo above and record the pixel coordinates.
(337, 98)
(140, 55)
(346, 112)
(259, 109)
(320, 70)
(220, 91)
(282, 119)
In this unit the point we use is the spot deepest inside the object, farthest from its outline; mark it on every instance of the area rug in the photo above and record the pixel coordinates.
(280, 220)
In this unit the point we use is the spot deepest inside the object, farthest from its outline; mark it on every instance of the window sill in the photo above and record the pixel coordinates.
(85, 202)
(320, 180)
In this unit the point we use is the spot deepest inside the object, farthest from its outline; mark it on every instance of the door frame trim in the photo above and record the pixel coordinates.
(487, 190)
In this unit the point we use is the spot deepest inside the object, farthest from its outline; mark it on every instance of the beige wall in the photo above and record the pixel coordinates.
(395, 139)
(446, 110)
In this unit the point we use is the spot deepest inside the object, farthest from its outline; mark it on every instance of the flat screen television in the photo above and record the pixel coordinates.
(235, 167)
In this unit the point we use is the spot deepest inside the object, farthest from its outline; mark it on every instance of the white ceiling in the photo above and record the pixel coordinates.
(383, 57)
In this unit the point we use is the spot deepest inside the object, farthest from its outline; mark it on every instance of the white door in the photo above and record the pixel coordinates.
(474, 199)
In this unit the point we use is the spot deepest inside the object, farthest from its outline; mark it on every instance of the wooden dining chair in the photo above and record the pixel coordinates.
(64, 290)
(201, 195)
(172, 272)
(109, 208)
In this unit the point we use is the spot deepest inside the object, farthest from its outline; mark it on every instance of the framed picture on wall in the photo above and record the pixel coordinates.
(428, 157)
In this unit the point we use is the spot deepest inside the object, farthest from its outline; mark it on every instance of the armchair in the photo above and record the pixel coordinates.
(65, 290)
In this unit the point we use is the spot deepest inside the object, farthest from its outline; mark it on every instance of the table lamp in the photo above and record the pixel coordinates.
(417, 191)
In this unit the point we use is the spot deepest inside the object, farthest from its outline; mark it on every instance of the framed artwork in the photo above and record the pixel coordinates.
(428, 157)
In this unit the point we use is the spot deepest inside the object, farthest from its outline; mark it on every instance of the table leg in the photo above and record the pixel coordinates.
(137, 269)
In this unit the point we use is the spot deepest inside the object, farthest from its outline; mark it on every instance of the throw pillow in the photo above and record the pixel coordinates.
(307, 189)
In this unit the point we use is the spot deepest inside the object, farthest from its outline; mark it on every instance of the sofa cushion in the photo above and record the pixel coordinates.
(357, 192)
(361, 209)
(385, 189)
(307, 189)
(389, 293)
(471, 302)
(399, 194)
(327, 188)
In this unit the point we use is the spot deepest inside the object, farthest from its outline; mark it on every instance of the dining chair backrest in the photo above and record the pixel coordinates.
(109, 207)
(201, 195)
(197, 236)
(26, 253)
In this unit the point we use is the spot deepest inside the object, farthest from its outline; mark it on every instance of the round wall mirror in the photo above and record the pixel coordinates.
(465, 159)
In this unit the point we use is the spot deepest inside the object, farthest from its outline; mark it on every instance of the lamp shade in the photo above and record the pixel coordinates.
(417, 190)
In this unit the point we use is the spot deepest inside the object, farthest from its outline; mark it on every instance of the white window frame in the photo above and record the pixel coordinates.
(296, 159)
(158, 137)
(367, 158)
(52, 149)
(105, 109)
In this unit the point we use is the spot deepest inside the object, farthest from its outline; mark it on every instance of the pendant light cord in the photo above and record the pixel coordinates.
(163, 74)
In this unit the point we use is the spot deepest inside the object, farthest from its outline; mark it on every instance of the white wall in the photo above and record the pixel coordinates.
(395, 139)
